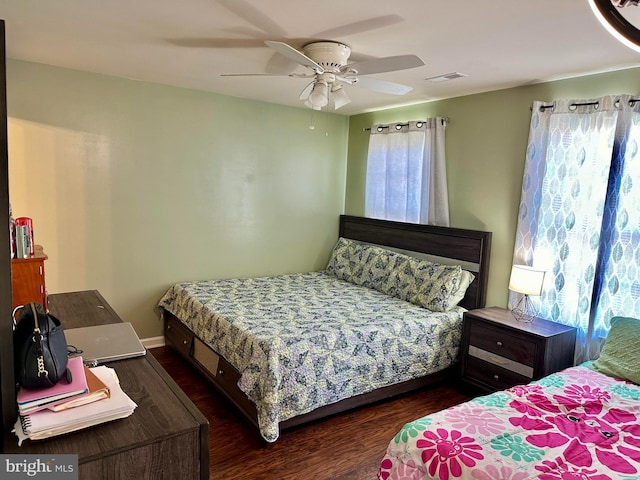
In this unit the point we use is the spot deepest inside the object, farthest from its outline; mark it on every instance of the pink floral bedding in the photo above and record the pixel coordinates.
(575, 424)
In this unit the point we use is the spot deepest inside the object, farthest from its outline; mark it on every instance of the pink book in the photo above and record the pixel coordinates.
(28, 400)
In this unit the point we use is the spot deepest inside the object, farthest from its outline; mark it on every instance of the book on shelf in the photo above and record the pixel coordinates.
(47, 423)
(31, 400)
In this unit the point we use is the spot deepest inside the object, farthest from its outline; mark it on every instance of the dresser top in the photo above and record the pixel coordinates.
(82, 309)
(504, 317)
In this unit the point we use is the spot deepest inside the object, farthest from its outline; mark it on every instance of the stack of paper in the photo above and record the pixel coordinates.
(46, 423)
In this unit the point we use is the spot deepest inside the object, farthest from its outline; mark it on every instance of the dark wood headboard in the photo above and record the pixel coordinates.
(458, 244)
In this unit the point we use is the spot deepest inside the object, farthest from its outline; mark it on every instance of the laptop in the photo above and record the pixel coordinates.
(105, 343)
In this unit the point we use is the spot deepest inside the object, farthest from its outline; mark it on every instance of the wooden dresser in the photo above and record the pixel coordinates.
(498, 352)
(27, 279)
(166, 437)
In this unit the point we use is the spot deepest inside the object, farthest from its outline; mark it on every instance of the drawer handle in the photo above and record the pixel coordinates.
(496, 377)
(168, 327)
(220, 372)
(184, 342)
(498, 343)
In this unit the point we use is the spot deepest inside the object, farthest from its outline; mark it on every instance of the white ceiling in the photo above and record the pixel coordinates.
(189, 43)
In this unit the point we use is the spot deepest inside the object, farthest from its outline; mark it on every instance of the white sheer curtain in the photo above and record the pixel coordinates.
(406, 173)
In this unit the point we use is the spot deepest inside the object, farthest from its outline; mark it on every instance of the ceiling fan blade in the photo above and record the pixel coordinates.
(386, 64)
(293, 75)
(254, 16)
(280, 64)
(295, 55)
(252, 75)
(381, 86)
(361, 26)
(307, 90)
(247, 32)
(216, 42)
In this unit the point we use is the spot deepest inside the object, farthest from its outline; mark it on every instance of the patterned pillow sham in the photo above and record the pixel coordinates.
(458, 295)
(427, 284)
(364, 265)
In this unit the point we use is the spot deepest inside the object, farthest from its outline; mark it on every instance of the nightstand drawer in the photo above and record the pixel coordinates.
(493, 375)
(506, 363)
(500, 342)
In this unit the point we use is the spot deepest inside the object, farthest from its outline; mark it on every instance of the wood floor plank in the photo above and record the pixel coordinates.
(347, 446)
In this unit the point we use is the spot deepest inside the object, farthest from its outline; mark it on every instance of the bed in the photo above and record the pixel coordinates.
(383, 318)
(582, 422)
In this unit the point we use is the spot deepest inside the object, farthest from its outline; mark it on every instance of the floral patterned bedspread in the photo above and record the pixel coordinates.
(576, 424)
(302, 341)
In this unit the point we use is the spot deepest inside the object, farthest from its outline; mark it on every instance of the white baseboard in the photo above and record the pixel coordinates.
(153, 342)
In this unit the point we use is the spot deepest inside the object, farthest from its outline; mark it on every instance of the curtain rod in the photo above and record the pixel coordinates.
(368, 129)
(585, 104)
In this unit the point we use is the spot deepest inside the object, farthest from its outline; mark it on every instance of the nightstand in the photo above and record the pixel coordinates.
(27, 279)
(498, 352)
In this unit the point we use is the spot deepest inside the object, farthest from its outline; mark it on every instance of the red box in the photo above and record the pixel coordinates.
(26, 221)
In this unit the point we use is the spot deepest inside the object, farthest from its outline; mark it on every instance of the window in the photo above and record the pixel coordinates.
(579, 215)
(406, 173)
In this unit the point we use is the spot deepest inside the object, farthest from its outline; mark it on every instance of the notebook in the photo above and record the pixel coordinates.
(105, 343)
(29, 400)
(97, 391)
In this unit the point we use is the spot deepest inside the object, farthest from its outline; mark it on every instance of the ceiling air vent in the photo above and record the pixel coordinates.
(446, 77)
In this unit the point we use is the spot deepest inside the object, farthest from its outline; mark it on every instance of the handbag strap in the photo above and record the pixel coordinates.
(36, 326)
(13, 315)
(37, 338)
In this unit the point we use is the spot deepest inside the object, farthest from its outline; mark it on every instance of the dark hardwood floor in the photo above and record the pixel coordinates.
(348, 446)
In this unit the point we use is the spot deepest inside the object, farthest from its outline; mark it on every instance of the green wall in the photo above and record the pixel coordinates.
(486, 142)
(134, 186)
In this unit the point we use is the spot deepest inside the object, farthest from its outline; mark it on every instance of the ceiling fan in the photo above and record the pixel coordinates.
(329, 70)
(326, 61)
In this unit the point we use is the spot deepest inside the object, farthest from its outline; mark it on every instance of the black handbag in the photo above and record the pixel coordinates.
(40, 348)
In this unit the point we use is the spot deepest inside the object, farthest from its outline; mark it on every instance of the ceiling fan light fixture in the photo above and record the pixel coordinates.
(312, 107)
(339, 96)
(319, 96)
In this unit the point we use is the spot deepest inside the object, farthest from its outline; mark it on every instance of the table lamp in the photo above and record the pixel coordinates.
(527, 281)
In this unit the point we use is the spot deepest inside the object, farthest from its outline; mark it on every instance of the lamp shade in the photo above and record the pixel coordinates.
(526, 280)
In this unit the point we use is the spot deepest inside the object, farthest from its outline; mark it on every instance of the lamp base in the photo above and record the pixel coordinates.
(524, 311)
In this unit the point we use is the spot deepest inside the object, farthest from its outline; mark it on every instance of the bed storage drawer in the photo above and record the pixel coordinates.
(206, 357)
(220, 372)
(178, 336)
(218, 367)
(224, 375)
